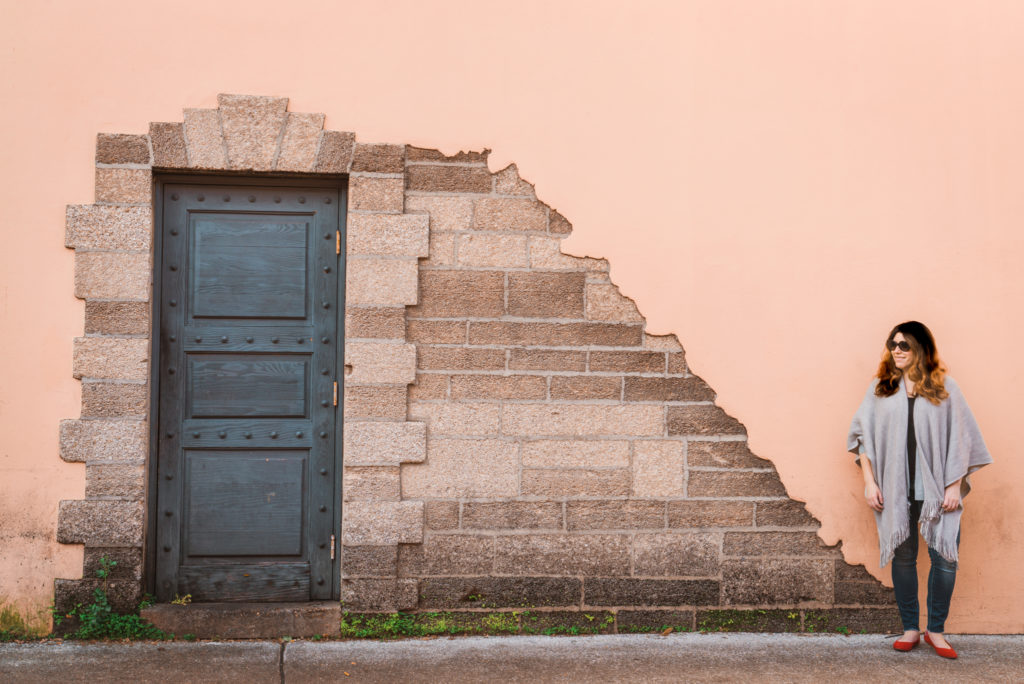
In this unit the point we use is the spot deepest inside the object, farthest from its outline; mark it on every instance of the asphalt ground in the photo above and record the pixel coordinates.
(688, 657)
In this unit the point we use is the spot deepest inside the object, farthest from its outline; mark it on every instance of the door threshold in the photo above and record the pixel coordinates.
(247, 620)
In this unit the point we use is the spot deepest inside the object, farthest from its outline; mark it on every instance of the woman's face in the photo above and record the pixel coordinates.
(902, 359)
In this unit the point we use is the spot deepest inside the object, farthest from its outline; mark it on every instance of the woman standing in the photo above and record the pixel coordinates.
(916, 441)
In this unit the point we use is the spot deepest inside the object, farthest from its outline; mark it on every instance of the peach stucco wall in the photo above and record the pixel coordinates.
(776, 182)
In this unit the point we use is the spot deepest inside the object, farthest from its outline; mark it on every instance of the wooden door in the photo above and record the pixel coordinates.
(248, 357)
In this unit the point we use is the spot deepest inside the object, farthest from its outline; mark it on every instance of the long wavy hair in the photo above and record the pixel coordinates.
(926, 371)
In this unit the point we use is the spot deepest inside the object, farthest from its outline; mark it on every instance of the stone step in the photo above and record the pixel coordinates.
(247, 620)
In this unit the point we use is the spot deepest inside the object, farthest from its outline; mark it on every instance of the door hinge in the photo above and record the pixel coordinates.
(332, 547)
(335, 392)
(337, 242)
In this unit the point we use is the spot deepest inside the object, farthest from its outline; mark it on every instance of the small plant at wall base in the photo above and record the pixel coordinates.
(98, 620)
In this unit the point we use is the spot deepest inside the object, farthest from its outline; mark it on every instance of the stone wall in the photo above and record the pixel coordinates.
(513, 440)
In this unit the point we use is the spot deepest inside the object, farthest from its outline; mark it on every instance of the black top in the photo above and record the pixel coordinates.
(911, 447)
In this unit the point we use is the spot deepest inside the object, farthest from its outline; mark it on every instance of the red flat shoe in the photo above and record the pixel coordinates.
(944, 652)
(906, 645)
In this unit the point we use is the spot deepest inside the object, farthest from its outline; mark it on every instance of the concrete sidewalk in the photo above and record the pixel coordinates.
(617, 658)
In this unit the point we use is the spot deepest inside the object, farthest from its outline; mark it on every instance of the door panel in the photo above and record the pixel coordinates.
(249, 341)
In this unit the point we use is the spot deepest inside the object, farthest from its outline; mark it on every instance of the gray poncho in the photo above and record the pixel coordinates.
(949, 447)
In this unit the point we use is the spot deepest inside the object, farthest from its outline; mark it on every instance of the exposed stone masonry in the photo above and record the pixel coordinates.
(514, 439)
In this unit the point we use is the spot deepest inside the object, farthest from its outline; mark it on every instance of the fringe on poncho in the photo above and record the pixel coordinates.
(949, 447)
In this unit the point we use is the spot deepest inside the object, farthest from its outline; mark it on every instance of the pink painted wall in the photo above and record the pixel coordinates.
(776, 182)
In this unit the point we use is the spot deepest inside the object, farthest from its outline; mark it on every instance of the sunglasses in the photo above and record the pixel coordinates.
(892, 344)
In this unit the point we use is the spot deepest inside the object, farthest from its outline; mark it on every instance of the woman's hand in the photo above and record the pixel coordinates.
(951, 501)
(874, 496)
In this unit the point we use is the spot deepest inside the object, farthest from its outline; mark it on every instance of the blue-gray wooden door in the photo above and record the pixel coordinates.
(248, 335)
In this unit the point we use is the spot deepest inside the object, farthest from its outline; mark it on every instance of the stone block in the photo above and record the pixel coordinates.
(370, 363)
(447, 554)
(498, 592)
(785, 581)
(377, 443)
(465, 418)
(710, 514)
(446, 213)
(605, 303)
(168, 140)
(667, 343)
(582, 387)
(870, 620)
(127, 562)
(489, 250)
(845, 571)
(562, 554)
(423, 154)
(658, 468)
(384, 595)
(546, 295)
(570, 453)
(82, 441)
(117, 318)
(511, 515)
(508, 182)
(379, 523)
(775, 544)
(546, 253)
(459, 294)
(111, 358)
(544, 359)
(702, 419)
(121, 148)
(498, 387)
(122, 480)
(512, 214)
(113, 275)
(124, 594)
(571, 420)
(677, 363)
(381, 282)
(626, 591)
(429, 386)
(335, 152)
(388, 234)
(123, 186)
(557, 483)
(441, 515)
(376, 194)
(252, 127)
(459, 358)
(730, 454)
(114, 399)
(369, 561)
(627, 361)
(442, 250)
(667, 389)
(676, 555)
(615, 515)
(205, 139)
(443, 178)
(436, 332)
(722, 484)
(631, 621)
(871, 593)
(372, 483)
(770, 621)
(375, 402)
(567, 622)
(218, 622)
(104, 227)
(783, 514)
(386, 323)
(300, 142)
(378, 158)
(101, 523)
(555, 334)
(558, 224)
(463, 468)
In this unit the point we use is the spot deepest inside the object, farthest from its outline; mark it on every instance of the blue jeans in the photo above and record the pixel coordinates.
(941, 579)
